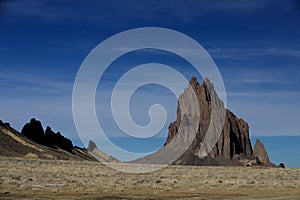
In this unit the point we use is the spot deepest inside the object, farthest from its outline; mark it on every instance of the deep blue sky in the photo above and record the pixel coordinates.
(255, 44)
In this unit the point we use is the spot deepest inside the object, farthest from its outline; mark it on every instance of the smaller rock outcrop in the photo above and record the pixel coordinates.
(34, 131)
(91, 146)
(99, 155)
(281, 165)
(260, 152)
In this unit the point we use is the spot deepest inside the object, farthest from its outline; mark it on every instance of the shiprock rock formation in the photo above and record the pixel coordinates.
(233, 146)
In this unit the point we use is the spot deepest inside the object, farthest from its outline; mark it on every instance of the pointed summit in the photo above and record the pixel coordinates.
(91, 146)
(98, 154)
(194, 81)
(261, 153)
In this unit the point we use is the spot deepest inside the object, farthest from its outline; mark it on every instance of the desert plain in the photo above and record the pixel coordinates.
(23, 178)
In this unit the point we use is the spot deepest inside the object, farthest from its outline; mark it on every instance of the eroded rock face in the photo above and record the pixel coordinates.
(234, 137)
(261, 153)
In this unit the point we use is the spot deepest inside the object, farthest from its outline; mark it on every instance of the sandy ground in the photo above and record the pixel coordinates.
(54, 179)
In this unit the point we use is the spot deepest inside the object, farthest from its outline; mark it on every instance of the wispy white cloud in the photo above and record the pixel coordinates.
(33, 84)
(261, 75)
(261, 95)
(97, 10)
(250, 53)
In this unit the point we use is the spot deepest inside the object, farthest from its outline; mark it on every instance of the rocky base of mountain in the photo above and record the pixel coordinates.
(57, 179)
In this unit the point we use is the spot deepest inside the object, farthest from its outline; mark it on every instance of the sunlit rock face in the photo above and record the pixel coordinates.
(261, 153)
(232, 139)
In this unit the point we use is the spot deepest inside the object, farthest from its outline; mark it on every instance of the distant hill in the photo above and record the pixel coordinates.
(33, 142)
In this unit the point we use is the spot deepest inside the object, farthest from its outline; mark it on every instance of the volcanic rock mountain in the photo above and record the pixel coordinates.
(233, 146)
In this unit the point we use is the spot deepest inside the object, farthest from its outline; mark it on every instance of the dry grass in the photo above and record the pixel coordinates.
(54, 179)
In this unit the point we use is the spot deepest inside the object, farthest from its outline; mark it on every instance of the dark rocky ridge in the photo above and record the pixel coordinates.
(34, 131)
(49, 146)
(233, 146)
